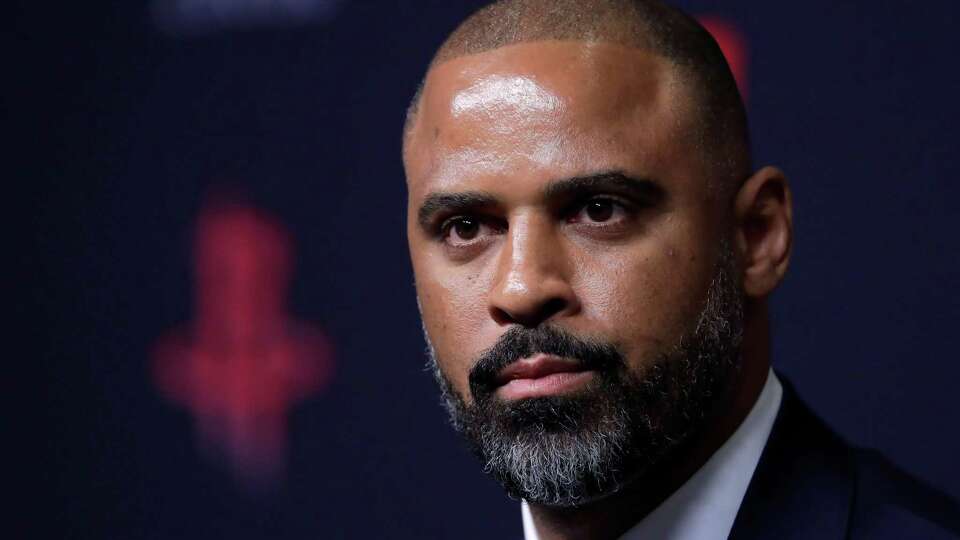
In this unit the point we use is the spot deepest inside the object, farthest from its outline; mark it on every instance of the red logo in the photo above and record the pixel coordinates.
(243, 362)
(734, 46)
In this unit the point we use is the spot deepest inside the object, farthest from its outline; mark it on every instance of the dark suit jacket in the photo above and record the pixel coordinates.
(811, 484)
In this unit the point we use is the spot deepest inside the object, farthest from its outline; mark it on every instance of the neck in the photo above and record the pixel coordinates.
(612, 516)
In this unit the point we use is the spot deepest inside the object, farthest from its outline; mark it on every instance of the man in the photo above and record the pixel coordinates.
(593, 252)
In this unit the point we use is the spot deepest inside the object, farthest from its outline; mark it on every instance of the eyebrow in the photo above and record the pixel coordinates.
(643, 189)
(460, 202)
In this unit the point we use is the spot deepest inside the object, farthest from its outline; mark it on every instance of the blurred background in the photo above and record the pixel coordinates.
(215, 305)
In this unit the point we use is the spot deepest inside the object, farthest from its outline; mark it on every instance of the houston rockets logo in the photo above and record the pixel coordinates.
(734, 46)
(243, 362)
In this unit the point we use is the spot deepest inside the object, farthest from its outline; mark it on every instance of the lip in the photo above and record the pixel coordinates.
(541, 375)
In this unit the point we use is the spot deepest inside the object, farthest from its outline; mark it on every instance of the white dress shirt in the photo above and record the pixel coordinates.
(706, 505)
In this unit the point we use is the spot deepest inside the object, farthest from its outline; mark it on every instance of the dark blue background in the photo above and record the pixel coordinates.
(127, 128)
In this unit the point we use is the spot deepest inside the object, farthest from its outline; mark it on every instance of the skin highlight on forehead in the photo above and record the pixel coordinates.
(564, 105)
(517, 93)
(719, 119)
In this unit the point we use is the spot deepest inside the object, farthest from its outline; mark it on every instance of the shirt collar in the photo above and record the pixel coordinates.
(706, 505)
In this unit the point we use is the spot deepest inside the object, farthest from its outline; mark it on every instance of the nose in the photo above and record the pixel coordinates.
(532, 285)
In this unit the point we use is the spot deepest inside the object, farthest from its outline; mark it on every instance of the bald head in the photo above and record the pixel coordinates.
(579, 187)
(649, 25)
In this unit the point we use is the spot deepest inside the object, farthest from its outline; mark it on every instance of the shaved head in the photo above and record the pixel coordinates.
(649, 25)
(587, 234)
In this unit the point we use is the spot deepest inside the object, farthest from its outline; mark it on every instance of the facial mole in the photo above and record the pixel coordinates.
(436, 133)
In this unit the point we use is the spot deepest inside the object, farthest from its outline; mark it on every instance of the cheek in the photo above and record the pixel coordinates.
(454, 313)
(647, 295)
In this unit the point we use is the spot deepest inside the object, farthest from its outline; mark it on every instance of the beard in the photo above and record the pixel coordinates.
(569, 450)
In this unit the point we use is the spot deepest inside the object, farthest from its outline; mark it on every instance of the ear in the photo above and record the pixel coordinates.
(763, 210)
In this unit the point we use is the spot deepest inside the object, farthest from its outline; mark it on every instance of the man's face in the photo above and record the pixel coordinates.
(569, 260)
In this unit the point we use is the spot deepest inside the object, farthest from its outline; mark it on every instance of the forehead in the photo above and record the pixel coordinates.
(560, 107)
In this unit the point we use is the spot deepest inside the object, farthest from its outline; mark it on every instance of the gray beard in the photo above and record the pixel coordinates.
(569, 451)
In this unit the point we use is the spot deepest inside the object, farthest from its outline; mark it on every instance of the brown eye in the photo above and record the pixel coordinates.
(600, 210)
(466, 228)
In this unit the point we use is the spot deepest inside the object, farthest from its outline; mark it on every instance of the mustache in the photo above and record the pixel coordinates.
(519, 342)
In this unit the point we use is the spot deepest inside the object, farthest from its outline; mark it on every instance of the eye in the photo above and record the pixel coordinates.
(464, 231)
(464, 228)
(600, 210)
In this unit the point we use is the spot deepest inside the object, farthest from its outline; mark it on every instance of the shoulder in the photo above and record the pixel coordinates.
(890, 503)
(810, 483)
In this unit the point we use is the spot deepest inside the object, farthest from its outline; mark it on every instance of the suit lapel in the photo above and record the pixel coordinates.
(804, 483)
